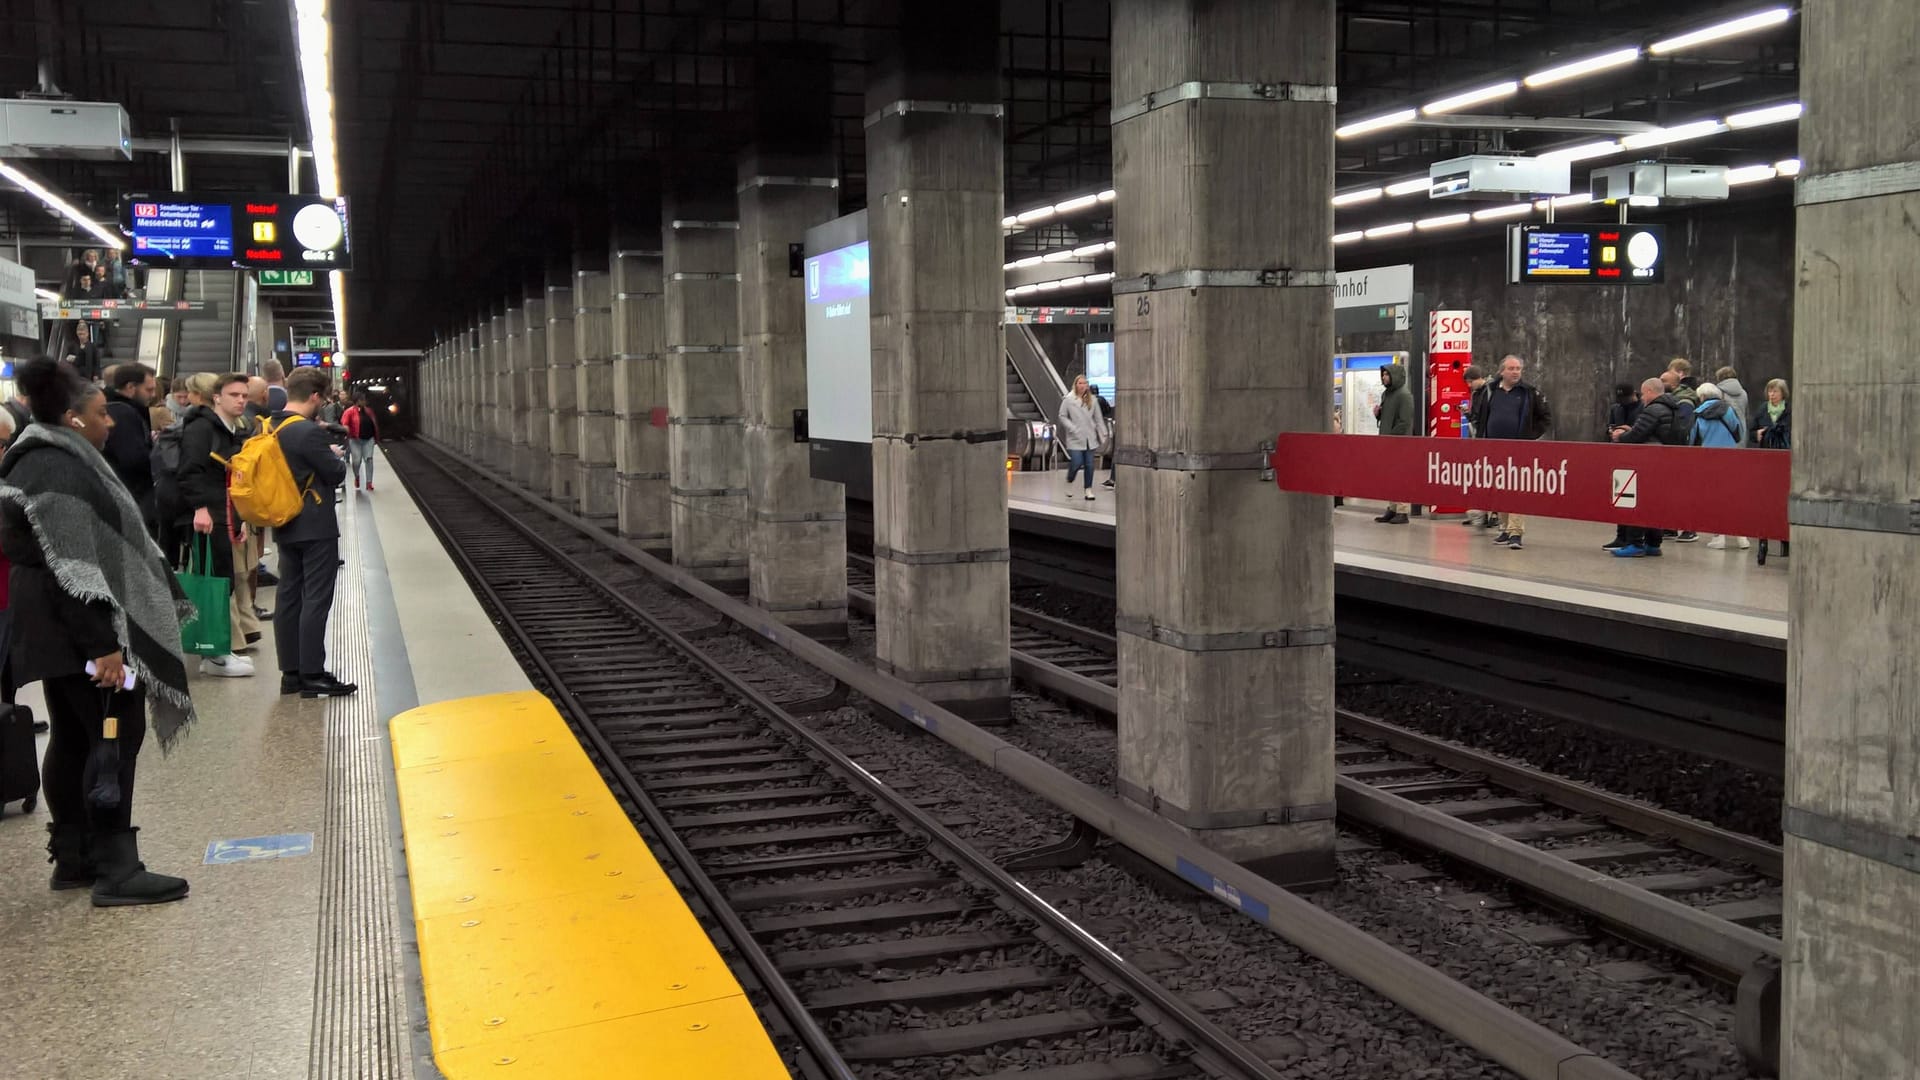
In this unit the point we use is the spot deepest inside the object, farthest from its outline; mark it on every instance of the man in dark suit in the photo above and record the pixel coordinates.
(309, 544)
(129, 449)
(86, 354)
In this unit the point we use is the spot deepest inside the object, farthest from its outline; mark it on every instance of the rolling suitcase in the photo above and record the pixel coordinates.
(19, 766)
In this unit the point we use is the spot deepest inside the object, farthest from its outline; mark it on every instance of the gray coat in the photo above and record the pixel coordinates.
(1735, 396)
(1080, 427)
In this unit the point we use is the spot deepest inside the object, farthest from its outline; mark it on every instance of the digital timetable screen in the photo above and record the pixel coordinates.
(1588, 254)
(183, 230)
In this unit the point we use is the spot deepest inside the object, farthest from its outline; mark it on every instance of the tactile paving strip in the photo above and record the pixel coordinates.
(359, 1006)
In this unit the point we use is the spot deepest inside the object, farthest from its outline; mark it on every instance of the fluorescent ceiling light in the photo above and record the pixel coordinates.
(1751, 174)
(1107, 195)
(1109, 245)
(1773, 114)
(46, 294)
(1347, 237)
(1090, 249)
(1408, 187)
(1056, 256)
(1471, 97)
(1759, 20)
(1071, 205)
(1068, 283)
(1591, 64)
(1390, 230)
(1009, 221)
(1038, 213)
(1011, 293)
(1579, 198)
(1583, 151)
(1376, 123)
(1031, 260)
(1443, 221)
(61, 206)
(1098, 279)
(1047, 286)
(1348, 198)
(1789, 167)
(1518, 209)
(1643, 200)
(1681, 133)
(313, 37)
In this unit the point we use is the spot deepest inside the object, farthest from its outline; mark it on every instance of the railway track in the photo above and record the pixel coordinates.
(883, 943)
(1710, 895)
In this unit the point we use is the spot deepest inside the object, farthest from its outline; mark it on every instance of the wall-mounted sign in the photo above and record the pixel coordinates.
(1587, 254)
(263, 232)
(1377, 286)
(19, 304)
(286, 278)
(96, 310)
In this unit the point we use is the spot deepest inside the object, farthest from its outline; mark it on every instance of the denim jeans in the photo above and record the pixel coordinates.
(1080, 461)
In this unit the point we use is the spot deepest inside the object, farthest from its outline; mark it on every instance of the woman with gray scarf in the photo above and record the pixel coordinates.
(97, 622)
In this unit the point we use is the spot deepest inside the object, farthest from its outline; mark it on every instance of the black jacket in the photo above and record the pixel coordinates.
(1779, 433)
(129, 447)
(1655, 422)
(89, 359)
(317, 469)
(1537, 416)
(203, 481)
(1623, 413)
(54, 633)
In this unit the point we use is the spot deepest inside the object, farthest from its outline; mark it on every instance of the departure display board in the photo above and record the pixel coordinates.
(1588, 254)
(260, 232)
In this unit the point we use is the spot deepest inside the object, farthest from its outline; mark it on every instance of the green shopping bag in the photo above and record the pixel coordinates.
(210, 631)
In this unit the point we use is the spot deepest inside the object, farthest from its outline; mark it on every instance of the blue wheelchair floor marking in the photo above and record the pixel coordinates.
(284, 846)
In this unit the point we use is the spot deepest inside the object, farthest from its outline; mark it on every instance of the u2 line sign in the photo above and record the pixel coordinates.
(1737, 492)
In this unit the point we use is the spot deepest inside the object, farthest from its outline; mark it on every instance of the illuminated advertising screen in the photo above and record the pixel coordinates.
(838, 283)
(1588, 255)
(255, 232)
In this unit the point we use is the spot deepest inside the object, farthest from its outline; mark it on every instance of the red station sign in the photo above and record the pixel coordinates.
(1649, 486)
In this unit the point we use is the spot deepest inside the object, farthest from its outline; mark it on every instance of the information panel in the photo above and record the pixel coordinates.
(261, 232)
(838, 277)
(1588, 254)
(1100, 373)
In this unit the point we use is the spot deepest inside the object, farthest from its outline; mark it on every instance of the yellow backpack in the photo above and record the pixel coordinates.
(260, 482)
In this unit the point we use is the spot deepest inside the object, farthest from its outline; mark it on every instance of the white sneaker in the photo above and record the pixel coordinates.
(1089, 496)
(1718, 543)
(1744, 542)
(230, 666)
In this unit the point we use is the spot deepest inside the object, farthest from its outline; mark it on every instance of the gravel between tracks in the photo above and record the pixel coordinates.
(1713, 791)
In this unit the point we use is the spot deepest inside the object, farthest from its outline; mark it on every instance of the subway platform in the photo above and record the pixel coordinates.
(294, 955)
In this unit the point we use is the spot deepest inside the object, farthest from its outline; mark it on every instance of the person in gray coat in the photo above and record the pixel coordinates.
(1735, 395)
(1080, 431)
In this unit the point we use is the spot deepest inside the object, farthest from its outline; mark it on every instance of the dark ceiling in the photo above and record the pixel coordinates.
(480, 138)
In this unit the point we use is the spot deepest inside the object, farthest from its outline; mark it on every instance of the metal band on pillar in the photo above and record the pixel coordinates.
(1198, 89)
(688, 223)
(1897, 178)
(1276, 278)
(1286, 637)
(1860, 515)
(786, 181)
(1853, 837)
(946, 108)
(1225, 819)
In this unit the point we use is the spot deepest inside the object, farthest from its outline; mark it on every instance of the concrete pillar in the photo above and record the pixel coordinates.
(593, 383)
(493, 390)
(539, 476)
(1851, 988)
(470, 367)
(1225, 613)
(797, 540)
(640, 391)
(513, 343)
(706, 440)
(563, 394)
(934, 194)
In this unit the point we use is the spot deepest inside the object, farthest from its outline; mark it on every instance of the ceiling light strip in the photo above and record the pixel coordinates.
(313, 36)
(61, 206)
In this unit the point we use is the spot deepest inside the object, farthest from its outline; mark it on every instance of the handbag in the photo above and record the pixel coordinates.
(210, 631)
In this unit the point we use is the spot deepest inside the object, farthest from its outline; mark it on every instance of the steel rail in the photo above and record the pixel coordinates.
(1528, 1049)
(1211, 1046)
(816, 1042)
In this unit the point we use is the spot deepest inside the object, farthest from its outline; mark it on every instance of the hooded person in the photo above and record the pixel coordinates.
(1716, 423)
(98, 615)
(1735, 395)
(1396, 418)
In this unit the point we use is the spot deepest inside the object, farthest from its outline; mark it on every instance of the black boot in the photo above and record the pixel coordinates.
(67, 851)
(124, 880)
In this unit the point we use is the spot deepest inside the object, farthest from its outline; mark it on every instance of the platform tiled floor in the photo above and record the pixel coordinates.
(1558, 553)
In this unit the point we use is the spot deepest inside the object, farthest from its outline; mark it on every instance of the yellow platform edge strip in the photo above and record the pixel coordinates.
(552, 943)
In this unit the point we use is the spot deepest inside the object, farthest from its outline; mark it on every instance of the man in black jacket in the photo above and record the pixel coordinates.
(309, 544)
(1655, 424)
(129, 449)
(87, 355)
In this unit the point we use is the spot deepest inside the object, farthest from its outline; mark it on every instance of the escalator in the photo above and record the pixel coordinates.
(206, 344)
(1034, 386)
(1020, 403)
